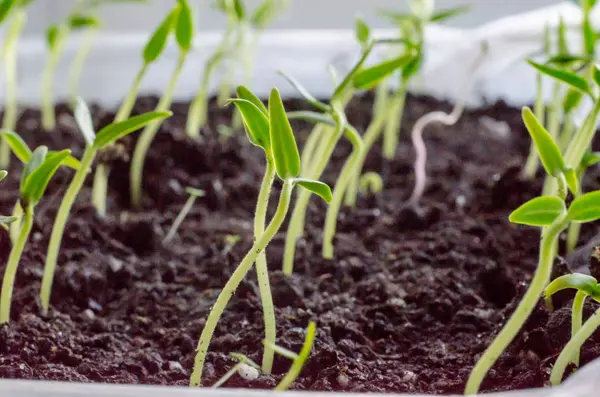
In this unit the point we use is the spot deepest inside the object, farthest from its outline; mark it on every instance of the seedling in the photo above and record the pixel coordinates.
(245, 367)
(272, 132)
(184, 35)
(586, 286)
(551, 214)
(153, 50)
(194, 194)
(15, 12)
(94, 143)
(36, 175)
(238, 44)
(370, 183)
(298, 360)
(442, 118)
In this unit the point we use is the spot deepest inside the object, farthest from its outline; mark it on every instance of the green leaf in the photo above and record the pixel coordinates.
(572, 180)
(262, 14)
(69, 161)
(442, 15)
(585, 208)
(549, 152)
(596, 75)
(572, 79)
(17, 145)
(567, 59)
(7, 220)
(84, 121)
(184, 31)
(540, 211)
(362, 31)
(371, 76)
(37, 157)
(311, 117)
(195, 192)
(83, 21)
(245, 93)
(578, 281)
(304, 92)
(238, 7)
(319, 188)
(563, 44)
(590, 159)
(283, 143)
(572, 100)
(157, 42)
(52, 35)
(37, 181)
(256, 123)
(5, 7)
(115, 131)
(413, 67)
(589, 37)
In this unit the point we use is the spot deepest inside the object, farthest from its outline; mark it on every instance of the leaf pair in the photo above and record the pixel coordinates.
(23, 153)
(369, 77)
(113, 131)
(38, 171)
(179, 19)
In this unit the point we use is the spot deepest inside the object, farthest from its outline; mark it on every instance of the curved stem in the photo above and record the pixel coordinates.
(12, 265)
(48, 115)
(11, 107)
(391, 133)
(150, 131)
(524, 309)
(345, 177)
(573, 347)
(76, 68)
(62, 216)
(262, 270)
(235, 280)
(577, 319)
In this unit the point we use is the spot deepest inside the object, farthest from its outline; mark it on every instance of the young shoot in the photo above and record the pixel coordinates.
(552, 215)
(153, 49)
(237, 44)
(245, 367)
(271, 132)
(94, 143)
(370, 183)
(298, 360)
(442, 118)
(16, 14)
(194, 194)
(183, 24)
(39, 169)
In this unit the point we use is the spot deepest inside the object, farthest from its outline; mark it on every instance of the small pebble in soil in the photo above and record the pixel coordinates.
(247, 372)
(343, 380)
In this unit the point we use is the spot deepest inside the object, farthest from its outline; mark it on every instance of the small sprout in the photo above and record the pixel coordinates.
(94, 143)
(362, 31)
(40, 168)
(245, 367)
(232, 239)
(194, 194)
(370, 183)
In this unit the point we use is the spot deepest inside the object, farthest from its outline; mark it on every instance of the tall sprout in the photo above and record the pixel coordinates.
(272, 132)
(184, 35)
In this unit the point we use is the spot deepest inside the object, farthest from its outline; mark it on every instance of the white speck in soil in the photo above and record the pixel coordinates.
(343, 380)
(89, 314)
(409, 376)
(115, 264)
(247, 372)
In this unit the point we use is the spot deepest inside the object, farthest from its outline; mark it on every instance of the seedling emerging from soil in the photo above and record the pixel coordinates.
(370, 183)
(194, 194)
(184, 35)
(151, 53)
(442, 118)
(586, 286)
(237, 45)
(551, 214)
(15, 12)
(36, 175)
(94, 143)
(272, 132)
(247, 369)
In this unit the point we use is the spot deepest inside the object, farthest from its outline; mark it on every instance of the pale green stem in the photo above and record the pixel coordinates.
(11, 107)
(48, 116)
(524, 309)
(10, 271)
(539, 109)
(392, 129)
(228, 375)
(180, 217)
(567, 132)
(262, 270)
(312, 142)
(62, 216)
(577, 319)
(235, 280)
(382, 97)
(574, 346)
(78, 63)
(344, 179)
(15, 227)
(150, 131)
(127, 106)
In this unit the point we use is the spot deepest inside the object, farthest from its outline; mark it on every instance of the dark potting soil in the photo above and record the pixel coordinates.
(411, 300)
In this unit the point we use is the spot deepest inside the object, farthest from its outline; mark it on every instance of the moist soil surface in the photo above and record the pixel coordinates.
(410, 301)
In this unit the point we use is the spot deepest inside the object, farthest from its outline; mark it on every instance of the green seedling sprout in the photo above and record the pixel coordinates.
(194, 194)
(442, 118)
(585, 286)
(244, 365)
(238, 44)
(38, 171)
(94, 143)
(152, 51)
(273, 133)
(15, 12)
(551, 214)
(370, 183)
(298, 360)
(183, 24)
